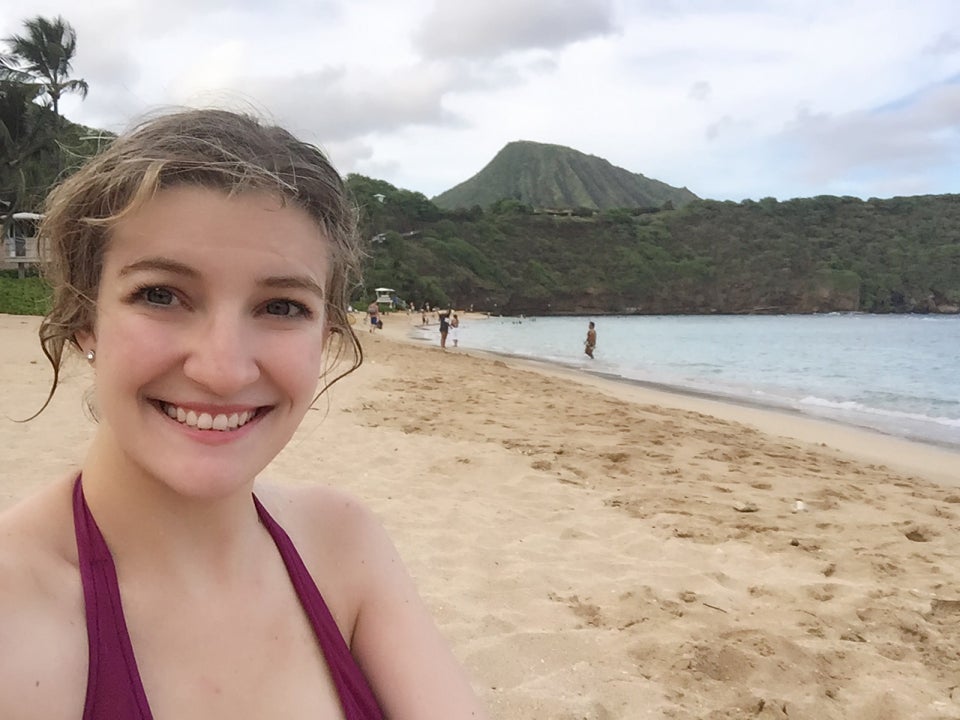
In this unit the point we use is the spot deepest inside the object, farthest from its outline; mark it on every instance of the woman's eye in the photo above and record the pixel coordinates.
(158, 296)
(285, 308)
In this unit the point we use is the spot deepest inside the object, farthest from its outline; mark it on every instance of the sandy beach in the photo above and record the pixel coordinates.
(600, 551)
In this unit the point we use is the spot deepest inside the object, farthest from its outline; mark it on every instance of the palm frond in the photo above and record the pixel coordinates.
(43, 54)
(77, 86)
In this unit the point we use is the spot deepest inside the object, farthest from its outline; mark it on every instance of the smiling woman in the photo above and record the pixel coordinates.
(189, 317)
(201, 265)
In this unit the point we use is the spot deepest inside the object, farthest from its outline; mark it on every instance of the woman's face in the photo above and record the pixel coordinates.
(210, 329)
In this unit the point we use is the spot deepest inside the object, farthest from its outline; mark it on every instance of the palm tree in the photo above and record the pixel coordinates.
(42, 57)
(26, 143)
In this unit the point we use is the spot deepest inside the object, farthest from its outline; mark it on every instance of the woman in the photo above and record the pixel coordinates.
(201, 265)
(444, 318)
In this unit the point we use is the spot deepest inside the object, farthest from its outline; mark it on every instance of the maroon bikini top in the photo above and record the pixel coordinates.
(114, 688)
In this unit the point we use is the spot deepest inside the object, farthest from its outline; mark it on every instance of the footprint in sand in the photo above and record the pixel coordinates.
(917, 533)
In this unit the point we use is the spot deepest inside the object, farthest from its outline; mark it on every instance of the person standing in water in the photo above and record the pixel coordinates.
(591, 341)
(444, 318)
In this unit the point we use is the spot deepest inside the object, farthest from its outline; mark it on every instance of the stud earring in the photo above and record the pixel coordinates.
(91, 356)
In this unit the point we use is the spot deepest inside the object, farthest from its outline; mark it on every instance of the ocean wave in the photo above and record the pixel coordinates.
(856, 407)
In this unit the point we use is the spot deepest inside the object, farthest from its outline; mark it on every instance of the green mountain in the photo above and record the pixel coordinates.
(553, 176)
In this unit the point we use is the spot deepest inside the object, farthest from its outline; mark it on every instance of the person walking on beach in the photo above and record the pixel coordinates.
(373, 310)
(591, 341)
(444, 318)
(201, 265)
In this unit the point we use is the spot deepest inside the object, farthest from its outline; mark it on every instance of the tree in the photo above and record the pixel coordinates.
(25, 136)
(42, 57)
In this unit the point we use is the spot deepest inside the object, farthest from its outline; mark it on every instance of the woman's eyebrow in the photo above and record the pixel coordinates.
(159, 263)
(294, 282)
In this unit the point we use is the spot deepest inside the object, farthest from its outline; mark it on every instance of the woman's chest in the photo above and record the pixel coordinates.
(259, 658)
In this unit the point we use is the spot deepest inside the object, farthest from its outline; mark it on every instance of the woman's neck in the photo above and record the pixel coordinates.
(150, 526)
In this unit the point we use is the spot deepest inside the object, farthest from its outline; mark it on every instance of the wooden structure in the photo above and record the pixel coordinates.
(385, 296)
(20, 244)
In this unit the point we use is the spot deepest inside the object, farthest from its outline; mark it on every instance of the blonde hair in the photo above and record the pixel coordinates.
(214, 149)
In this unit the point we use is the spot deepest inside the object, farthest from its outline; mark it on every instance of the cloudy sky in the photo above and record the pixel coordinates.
(732, 98)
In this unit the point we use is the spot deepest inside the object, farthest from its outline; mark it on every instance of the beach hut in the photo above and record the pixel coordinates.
(20, 245)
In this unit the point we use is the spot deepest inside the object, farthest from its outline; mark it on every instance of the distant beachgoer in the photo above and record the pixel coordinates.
(455, 330)
(591, 342)
(373, 310)
(444, 328)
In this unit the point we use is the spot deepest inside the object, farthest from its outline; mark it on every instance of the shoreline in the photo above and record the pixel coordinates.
(938, 461)
(721, 398)
(919, 406)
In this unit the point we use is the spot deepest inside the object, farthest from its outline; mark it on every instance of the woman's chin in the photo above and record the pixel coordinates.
(206, 481)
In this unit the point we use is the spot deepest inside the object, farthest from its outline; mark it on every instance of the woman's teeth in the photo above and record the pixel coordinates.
(206, 421)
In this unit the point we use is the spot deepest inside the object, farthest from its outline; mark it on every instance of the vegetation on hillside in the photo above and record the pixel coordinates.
(553, 176)
(810, 255)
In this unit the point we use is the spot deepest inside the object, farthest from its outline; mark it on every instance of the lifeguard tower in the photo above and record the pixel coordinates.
(20, 244)
(385, 296)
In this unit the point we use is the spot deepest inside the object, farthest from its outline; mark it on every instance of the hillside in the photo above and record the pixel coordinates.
(553, 176)
(821, 254)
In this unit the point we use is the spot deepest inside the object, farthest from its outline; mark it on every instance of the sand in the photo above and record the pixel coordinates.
(598, 551)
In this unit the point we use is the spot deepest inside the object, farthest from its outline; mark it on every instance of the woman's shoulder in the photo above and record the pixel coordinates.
(41, 603)
(316, 510)
(38, 552)
(340, 540)
(38, 530)
(328, 526)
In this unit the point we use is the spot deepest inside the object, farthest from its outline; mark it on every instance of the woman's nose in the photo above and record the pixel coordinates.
(222, 356)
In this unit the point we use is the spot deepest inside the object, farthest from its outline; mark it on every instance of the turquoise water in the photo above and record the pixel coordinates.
(894, 373)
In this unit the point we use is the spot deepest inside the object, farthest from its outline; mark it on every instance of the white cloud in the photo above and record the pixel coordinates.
(947, 44)
(700, 90)
(899, 141)
(487, 28)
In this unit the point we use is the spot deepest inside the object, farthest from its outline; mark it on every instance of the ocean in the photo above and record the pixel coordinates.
(897, 374)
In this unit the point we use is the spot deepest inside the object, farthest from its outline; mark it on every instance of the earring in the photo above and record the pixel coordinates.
(91, 355)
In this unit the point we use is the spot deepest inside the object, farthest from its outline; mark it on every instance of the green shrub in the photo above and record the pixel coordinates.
(29, 296)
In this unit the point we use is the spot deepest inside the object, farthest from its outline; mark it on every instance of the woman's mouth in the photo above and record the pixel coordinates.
(201, 420)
